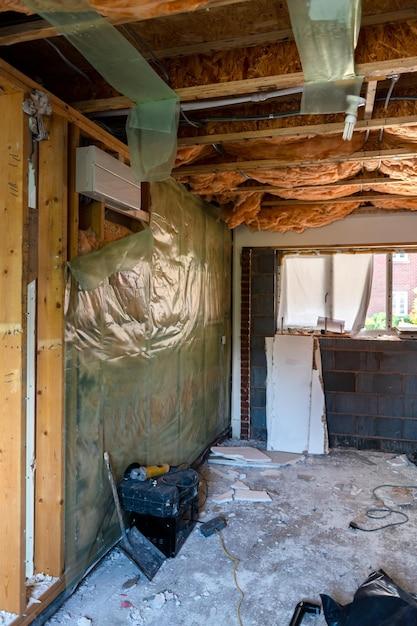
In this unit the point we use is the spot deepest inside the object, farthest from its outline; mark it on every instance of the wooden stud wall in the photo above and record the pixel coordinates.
(52, 255)
(13, 217)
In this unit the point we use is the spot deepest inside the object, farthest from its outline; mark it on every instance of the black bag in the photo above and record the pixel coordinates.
(377, 602)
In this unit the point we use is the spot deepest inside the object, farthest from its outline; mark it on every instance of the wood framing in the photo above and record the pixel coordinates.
(13, 216)
(359, 183)
(11, 80)
(300, 132)
(272, 36)
(369, 197)
(145, 10)
(73, 196)
(276, 164)
(52, 255)
(370, 98)
(378, 70)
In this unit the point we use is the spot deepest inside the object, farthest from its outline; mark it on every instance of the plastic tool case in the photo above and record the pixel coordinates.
(165, 509)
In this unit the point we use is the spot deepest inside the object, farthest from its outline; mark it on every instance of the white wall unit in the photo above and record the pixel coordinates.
(102, 177)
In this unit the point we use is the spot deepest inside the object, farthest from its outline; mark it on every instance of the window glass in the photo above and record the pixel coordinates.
(404, 290)
(376, 318)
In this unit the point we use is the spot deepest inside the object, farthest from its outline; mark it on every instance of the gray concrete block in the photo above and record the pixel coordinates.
(410, 429)
(351, 403)
(410, 407)
(404, 362)
(263, 283)
(339, 381)
(258, 398)
(410, 384)
(341, 424)
(264, 326)
(378, 383)
(258, 376)
(391, 406)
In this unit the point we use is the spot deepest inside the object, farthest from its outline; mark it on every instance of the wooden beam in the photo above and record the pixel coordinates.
(300, 132)
(73, 196)
(53, 196)
(268, 37)
(13, 217)
(370, 197)
(275, 164)
(370, 99)
(359, 183)
(378, 70)
(11, 78)
(41, 29)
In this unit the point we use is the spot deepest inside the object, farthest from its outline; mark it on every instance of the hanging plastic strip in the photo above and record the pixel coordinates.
(326, 33)
(153, 122)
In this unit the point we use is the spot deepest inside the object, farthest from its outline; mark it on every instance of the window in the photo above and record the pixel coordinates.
(334, 286)
(368, 292)
(400, 303)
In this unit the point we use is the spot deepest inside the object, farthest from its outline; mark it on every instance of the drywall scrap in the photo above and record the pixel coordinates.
(295, 406)
(272, 459)
(252, 455)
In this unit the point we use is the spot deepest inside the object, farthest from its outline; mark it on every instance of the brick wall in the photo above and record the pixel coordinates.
(263, 276)
(371, 393)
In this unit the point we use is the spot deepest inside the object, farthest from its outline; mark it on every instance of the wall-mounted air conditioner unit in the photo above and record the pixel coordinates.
(102, 177)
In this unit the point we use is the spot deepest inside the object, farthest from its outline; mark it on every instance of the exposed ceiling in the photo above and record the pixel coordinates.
(287, 173)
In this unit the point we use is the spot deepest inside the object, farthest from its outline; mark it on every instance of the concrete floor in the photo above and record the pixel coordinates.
(293, 548)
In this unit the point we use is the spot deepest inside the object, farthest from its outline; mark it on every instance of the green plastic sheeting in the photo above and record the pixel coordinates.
(152, 124)
(326, 33)
(147, 357)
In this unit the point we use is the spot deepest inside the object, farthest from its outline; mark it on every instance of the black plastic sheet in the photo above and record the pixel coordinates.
(379, 601)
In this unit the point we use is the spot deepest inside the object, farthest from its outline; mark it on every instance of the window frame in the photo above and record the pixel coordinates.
(389, 251)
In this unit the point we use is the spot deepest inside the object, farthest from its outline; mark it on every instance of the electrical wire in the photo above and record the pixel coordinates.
(68, 62)
(235, 563)
(384, 512)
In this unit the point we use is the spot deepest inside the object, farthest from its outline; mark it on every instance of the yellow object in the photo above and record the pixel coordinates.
(152, 471)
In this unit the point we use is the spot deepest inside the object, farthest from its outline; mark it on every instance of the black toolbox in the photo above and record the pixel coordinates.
(164, 509)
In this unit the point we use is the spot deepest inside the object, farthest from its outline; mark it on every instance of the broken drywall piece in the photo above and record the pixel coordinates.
(318, 437)
(251, 455)
(285, 458)
(221, 498)
(239, 485)
(84, 621)
(295, 406)
(249, 495)
(219, 460)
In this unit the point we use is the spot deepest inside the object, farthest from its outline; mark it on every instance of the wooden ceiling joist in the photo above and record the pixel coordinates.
(41, 29)
(377, 70)
(370, 197)
(300, 132)
(399, 154)
(272, 36)
(358, 183)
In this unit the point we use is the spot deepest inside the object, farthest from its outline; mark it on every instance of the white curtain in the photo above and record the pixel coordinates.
(336, 286)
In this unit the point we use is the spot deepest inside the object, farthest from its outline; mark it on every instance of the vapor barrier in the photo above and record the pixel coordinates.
(326, 33)
(147, 357)
(153, 122)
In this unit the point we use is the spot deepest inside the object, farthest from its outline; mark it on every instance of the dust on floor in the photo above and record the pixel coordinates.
(295, 547)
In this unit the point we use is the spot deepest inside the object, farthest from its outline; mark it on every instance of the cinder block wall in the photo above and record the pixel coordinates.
(262, 324)
(371, 393)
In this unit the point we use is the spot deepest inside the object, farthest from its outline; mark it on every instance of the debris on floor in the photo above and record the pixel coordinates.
(305, 528)
(252, 457)
(6, 618)
(37, 585)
